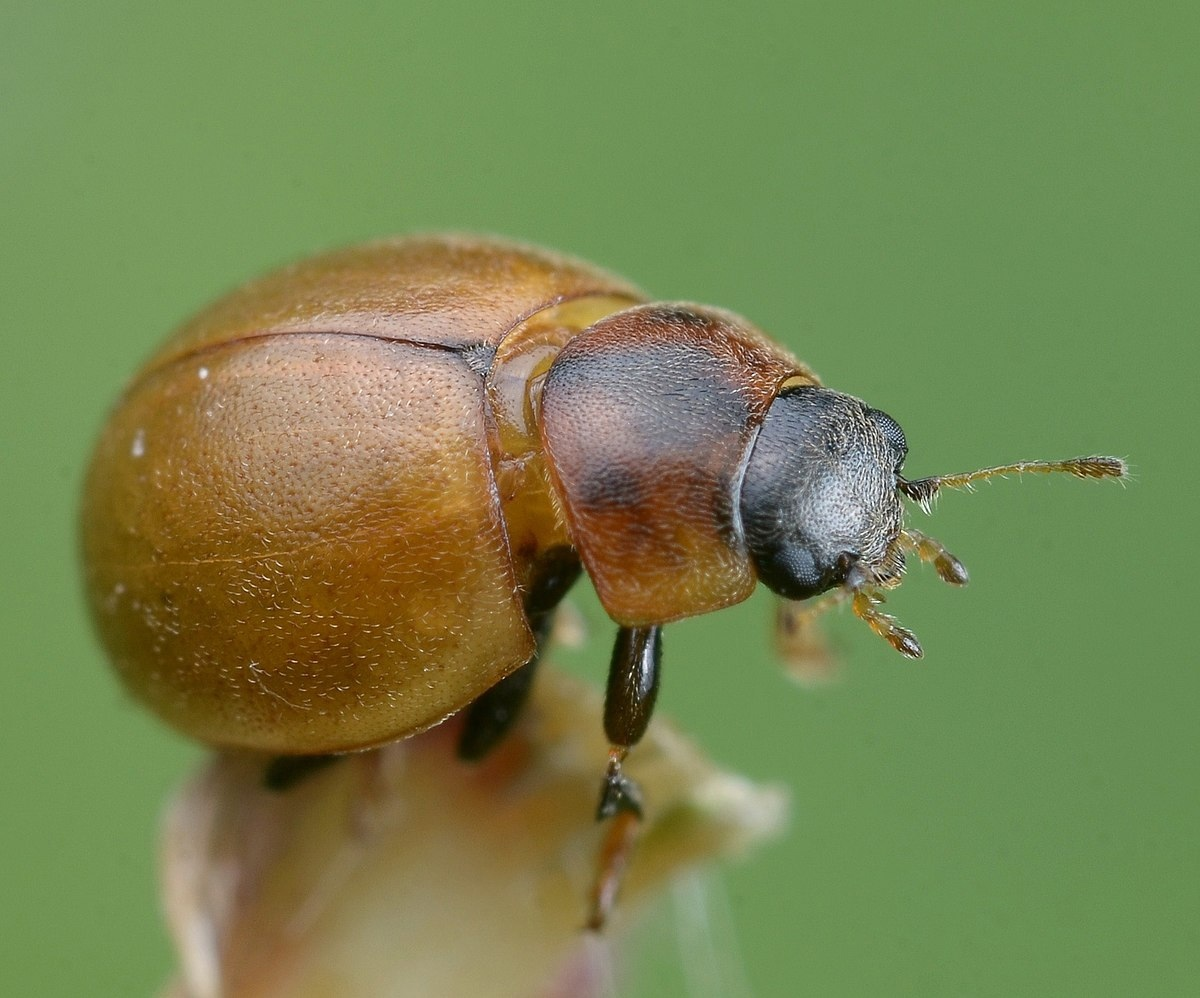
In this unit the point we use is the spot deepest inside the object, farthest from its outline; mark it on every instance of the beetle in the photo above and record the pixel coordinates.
(343, 502)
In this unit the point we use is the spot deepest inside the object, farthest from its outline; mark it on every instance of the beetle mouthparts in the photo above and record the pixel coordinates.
(865, 603)
(934, 552)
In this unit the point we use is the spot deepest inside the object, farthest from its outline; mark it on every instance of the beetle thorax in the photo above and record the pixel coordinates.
(532, 514)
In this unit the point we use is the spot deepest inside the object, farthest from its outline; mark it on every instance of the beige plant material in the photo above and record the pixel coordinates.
(402, 871)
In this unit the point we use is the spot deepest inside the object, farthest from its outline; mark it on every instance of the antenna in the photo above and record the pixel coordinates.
(924, 490)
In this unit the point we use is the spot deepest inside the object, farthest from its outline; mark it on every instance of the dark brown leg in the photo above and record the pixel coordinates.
(632, 690)
(286, 771)
(491, 716)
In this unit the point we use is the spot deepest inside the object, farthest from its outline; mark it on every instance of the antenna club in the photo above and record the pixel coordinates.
(1099, 467)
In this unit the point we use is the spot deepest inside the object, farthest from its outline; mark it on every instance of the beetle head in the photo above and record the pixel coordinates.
(821, 503)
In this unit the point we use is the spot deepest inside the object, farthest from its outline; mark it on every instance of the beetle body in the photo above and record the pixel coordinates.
(342, 503)
(310, 520)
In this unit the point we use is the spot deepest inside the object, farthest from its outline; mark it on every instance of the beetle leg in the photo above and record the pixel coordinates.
(615, 852)
(490, 716)
(286, 771)
(799, 644)
(629, 701)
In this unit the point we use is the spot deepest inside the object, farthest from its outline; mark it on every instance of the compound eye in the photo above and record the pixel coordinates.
(794, 572)
(892, 434)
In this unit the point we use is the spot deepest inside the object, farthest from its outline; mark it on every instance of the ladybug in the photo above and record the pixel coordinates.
(343, 503)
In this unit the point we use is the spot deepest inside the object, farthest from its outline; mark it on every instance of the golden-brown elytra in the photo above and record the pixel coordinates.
(343, 502)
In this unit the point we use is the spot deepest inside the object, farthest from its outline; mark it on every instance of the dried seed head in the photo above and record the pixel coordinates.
(402, 870)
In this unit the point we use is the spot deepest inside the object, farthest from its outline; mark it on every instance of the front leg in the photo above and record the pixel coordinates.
(629, 701)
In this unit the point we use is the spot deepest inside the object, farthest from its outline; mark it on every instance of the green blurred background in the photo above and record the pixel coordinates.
(981, 218)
